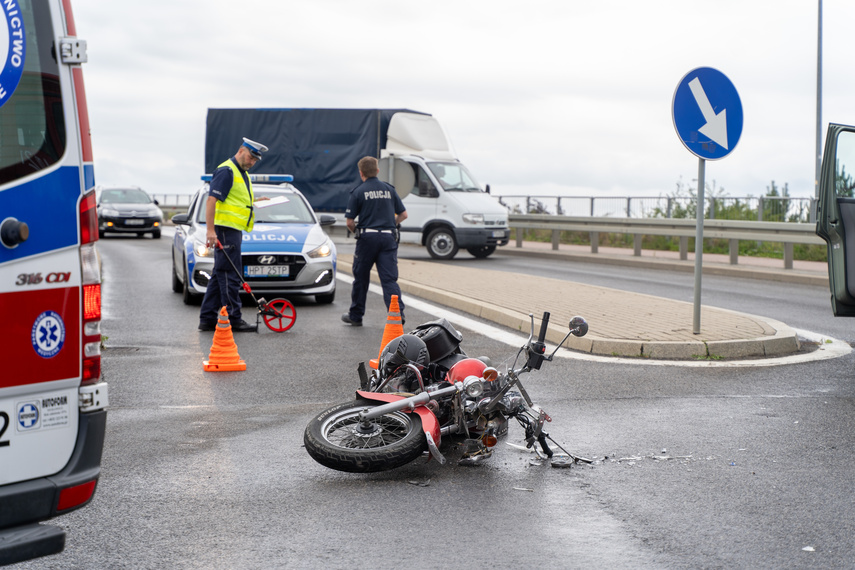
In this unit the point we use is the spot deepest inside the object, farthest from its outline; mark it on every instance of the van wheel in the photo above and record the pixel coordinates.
(155, 234)
(482, 252)
(441, 244)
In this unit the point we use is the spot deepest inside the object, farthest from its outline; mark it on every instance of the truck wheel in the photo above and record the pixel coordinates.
(482, 252)
(441, 244)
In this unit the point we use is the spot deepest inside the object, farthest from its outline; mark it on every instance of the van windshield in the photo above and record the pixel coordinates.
(454, 177)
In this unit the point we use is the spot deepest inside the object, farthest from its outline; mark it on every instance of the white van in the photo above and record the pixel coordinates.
(52, 400)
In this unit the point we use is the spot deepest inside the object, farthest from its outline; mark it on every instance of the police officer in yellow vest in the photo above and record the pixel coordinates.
(228, 212)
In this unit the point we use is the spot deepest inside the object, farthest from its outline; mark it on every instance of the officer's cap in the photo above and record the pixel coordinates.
(255, 149)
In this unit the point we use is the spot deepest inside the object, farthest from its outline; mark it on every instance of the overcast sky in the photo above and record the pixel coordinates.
(541, 97)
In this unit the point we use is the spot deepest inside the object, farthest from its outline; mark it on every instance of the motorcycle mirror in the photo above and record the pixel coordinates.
(578, 326)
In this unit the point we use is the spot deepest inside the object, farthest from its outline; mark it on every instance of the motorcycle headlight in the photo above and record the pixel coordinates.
(202, 250)
(473, 386)
(323, 250)
(473, 218)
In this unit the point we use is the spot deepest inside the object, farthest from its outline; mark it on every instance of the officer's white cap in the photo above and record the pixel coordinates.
(255, 149)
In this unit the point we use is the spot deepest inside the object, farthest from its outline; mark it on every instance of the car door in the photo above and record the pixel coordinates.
(836, 216)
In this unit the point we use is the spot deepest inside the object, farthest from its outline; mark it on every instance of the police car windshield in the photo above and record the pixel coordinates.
(292, 210)
(124, 196)
(454, 177)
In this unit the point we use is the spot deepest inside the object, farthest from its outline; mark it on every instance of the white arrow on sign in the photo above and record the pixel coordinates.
(716, 125)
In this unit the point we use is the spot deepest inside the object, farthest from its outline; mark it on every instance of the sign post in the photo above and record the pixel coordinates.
(707, 114)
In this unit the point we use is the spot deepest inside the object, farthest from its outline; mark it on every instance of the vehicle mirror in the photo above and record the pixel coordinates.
(578, 326)
(181, 219)
(327, 220)
(487, 189)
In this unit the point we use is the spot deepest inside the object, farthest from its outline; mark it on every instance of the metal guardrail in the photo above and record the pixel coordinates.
(788, 233)
(761, 208)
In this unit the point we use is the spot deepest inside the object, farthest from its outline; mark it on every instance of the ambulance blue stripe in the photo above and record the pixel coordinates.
(48, 205)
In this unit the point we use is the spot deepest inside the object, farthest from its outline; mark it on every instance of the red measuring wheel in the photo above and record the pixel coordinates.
(279, 315)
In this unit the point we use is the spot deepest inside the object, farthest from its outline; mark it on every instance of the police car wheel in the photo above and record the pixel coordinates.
(441, 244)
(188, 297)
(177, 287)
(325, 299)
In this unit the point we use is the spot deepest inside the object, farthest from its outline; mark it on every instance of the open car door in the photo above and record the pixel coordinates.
(836, 216)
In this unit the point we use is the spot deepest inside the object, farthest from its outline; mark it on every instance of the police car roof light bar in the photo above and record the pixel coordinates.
(260, 178)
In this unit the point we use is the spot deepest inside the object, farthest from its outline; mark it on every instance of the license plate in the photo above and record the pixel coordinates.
(266, 271)
(134, 222)
(499, 233)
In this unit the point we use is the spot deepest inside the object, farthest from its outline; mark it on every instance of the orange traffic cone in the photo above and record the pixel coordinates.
(224, 355)
(394, 329)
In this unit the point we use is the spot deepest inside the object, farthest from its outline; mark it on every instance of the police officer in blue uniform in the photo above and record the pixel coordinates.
(379, 210)
(228, 212)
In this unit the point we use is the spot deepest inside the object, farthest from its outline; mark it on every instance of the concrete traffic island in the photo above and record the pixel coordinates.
(622, 324)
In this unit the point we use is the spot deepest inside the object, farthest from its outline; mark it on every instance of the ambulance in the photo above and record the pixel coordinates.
(52, 399)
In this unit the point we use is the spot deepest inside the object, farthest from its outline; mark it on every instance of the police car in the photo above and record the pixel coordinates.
(287, 251)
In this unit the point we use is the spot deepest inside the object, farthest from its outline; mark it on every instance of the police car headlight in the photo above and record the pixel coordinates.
(109, 212)
(473, 218)
(202, 250)
(323, 250)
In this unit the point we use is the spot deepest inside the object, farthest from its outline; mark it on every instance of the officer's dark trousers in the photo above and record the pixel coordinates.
(380, 249)
(224, 286)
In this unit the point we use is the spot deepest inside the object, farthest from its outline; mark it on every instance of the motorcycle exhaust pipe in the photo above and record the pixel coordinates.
(407, 403)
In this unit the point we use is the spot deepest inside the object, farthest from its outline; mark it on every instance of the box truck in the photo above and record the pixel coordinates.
(447, 209)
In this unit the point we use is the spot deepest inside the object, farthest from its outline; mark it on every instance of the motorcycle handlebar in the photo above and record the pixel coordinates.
(543, 326)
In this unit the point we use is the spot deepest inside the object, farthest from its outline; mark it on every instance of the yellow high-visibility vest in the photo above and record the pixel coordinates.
(236, 210)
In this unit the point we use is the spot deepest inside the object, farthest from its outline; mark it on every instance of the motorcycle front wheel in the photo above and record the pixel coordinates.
(338, 440)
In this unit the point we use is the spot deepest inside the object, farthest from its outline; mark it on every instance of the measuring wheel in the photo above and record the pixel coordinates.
(279, 315)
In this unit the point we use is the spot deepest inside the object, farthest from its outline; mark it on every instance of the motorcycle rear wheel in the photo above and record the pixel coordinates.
(336, 438)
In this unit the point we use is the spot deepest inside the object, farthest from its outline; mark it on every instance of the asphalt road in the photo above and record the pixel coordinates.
(695, 467)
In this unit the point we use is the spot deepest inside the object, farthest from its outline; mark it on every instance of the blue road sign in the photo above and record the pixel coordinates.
(707, 113)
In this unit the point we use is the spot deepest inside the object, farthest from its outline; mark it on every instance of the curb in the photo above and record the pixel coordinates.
(781, 340)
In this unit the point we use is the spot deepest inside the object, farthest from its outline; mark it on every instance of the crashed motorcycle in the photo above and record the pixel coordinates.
(424, 387)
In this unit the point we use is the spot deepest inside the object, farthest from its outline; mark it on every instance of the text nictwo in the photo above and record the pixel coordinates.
(16, 58)
(378, 195)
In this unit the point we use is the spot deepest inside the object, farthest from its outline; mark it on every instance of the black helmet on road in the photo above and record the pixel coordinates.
(401, 350)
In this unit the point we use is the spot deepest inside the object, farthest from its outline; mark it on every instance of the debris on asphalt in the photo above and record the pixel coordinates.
(523, 489)
(425, 483)
(809, 549)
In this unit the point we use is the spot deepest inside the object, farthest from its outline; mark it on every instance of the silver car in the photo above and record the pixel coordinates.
(287, 251)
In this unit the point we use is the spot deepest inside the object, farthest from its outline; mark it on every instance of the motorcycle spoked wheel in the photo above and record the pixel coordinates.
(336, 438)
(287, 312)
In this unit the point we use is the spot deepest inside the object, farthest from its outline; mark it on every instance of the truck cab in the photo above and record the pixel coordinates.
(446, 207)
(447, 210)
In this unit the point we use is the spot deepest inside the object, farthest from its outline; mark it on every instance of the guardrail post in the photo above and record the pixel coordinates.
(668, 208)
(734, 251)
(519, 233)
(684, 248)
(636, 245)
(788, 256)
(592, 206)
(556, 234)
(595, 242)
(629, 207)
